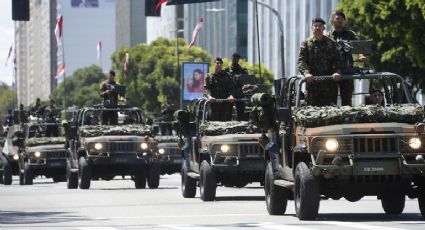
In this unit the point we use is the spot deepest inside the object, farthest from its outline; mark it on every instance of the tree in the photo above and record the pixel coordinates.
(7, 97)
(152, 71)
(397, 29)
(82, 87)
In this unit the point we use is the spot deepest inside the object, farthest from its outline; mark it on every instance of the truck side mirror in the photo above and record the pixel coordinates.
(284, 114)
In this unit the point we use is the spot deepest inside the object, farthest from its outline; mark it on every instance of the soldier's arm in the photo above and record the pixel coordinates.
(302, 59)
(103, 90)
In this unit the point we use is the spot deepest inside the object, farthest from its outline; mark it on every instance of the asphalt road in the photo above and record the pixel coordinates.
(110, 205)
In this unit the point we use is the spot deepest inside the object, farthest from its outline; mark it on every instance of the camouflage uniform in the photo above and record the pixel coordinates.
(110, 100)
(319, 58)
(347, 86)
(220, 86)
(167, 112)
(235, 71)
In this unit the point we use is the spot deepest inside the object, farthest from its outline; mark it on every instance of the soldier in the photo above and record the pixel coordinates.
(219, 85)
(318, 56)
(167, 112)
(376, 97)
(23, 114)
(9, 120)
(110, 99)
(235, 70)
(50, 115)
(37, 109)
(341, 33)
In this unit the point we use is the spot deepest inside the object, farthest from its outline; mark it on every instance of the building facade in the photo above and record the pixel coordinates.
(34, 43)
(130, 23)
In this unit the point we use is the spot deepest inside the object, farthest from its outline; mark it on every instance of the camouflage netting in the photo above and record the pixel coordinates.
(167, 139)
(214, 128)
(103, 130)
(311, 116)
(45, 141)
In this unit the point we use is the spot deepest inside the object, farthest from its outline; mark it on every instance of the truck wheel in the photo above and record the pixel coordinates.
(71, 178)
(21, 176)
(140, 179)
(85, 173)
(188, 183)
(393, 204)
(28, 174)
(276, 196)
(7, 173)
(307, 197)
(207, 183)
(421, 202)
(153, 176)
(1, 177)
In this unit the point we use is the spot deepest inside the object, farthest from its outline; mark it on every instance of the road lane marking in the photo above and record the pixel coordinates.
(359, 225)
(97, 228)
(181, 216)
(187, 227)
(279, 226)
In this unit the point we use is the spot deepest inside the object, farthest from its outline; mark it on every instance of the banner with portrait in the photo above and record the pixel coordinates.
(193, 78)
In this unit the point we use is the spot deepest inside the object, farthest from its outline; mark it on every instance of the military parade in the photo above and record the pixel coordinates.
(320, 125)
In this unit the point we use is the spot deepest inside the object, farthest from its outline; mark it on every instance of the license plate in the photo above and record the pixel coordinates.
(177, 161)
(55, 164)
(121, 160)
(377, 168)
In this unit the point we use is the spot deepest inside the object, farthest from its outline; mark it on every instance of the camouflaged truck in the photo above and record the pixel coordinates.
(316, 153)
(216, 152)
(170, 158)
(105, 151)
(44, 152)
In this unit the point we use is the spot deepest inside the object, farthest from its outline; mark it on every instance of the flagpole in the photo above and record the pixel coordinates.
(64, 67)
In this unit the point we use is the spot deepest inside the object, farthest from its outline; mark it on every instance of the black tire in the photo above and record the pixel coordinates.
(72, 180)
(1, 177)
(153, 176)
(140, 180)
(276, 197)
(188, 184)
(85, 173)
(307, 193)
(21, 176)
(393, 204)
(28, 174)
(421, 202)
(207, 182)
(7, 173)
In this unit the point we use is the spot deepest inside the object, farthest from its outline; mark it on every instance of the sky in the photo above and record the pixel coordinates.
(6, 40)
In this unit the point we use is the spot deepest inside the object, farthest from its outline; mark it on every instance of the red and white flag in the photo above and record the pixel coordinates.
(159, 5)
(59, 29)
(8, 56)
(99, 50)
(196, 31)
(60, 71)
(126, 65)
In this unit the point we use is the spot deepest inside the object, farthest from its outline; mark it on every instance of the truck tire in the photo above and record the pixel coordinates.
(421, 202)
(1, 176)
(153, 176)
(28, 174)
(71, 179)
(7, 173)
(276, 197)
(85, 173)
(393, 204)
(188, 184)
(21, 176)
(306, 195)
(207, 182)
(140, 179)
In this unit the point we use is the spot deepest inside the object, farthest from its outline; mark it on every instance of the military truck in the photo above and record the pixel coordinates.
(170, 157)
(105, 151)
(315, 153)
(217, 152)
(44, 152)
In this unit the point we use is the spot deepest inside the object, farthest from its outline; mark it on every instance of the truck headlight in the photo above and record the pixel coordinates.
(15, 157)
(144, 146)
(224, 148)
(98, 146)
(37, 154)
(415, 143)
(161, 151)
(331, 145)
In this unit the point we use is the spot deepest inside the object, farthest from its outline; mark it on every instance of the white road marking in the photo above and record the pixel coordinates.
(279, 226)
(359, 225)
(187, 227)
(97, 228)
(182, 216)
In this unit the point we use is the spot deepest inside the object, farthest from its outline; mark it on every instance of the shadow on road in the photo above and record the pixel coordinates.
(13, 217)
(364, 217)
(240, 198)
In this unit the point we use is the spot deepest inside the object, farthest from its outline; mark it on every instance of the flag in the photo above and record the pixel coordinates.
(159, 5)
(58, 29)
(126, 65)
(8, 56)
(196, 31)
(99, 50)
(60, 71)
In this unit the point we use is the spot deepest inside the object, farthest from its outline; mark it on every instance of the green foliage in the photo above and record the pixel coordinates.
(6, 99)
(397, 29)
(82, 88)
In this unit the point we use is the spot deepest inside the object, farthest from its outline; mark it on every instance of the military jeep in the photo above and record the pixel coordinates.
(99, 151)
(316, 153)
(170, 157)
(217, 152)
(44, 152)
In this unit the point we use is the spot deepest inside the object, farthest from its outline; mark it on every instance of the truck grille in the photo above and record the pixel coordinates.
(173, 151)
(374, 145)
(61, 154)
(122, 147)
(250, 150)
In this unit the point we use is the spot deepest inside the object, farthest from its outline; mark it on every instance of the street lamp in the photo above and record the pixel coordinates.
(282, 47)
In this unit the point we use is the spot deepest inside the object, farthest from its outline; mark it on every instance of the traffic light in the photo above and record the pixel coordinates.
(21, 10)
